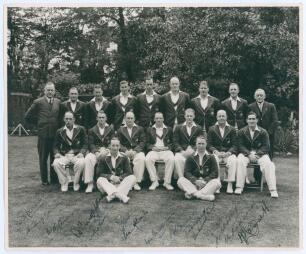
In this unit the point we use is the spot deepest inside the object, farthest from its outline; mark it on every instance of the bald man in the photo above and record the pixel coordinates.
(44, 112)
(174, 103)
(222, 142)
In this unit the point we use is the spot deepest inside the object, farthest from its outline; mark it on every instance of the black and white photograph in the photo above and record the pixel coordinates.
(157, 126)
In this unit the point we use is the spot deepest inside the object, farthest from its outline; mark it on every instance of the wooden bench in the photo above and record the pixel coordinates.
(223, 174)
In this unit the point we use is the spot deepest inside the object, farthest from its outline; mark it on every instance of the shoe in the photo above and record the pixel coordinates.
(76, 187)
(168, 186)
(89, 188)
(274, 194)
(217, 191)
(247, 181)
(206, 197)
(188, 195)
(137, 187)
(122, 197)
(154, 185)
(110, 197)
(238, 191)
(64, 187)
(229, 189)
(45, 183)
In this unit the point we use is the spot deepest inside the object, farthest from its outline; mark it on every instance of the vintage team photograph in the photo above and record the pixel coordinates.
(153, 127)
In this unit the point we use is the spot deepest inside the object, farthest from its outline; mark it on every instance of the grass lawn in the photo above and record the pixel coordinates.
(44, 217)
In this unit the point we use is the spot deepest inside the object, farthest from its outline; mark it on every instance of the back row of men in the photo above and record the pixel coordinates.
(47, 110)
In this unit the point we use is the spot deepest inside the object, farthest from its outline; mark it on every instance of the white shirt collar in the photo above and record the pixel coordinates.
(238, 99)
(129, 95)
(256, 128)
(154, 126)
(199, 96)
(74, 127)
(174, 94)
(73, 102)
(118, 155)
(105, 125)
(193, 124)
(134, 125)
(149, 95)
(226, 124)
(94, 99)
(196, 152)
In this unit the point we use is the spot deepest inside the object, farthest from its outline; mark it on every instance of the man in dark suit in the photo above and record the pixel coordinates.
(205, 106)
(70, 146)
(236, 108)
(97, 104)
(121, 104)
(184, 140)
(73, 104)
(45, 113)
(174, 103)
(147, 104)
(99, 138)
(114, 174)
(201, 174)
(133, 139)
(254, 147)
(267, 115)
(222, 142)
(159, 141)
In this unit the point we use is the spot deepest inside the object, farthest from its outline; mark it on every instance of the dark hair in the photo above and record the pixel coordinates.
(98, 86)
(252, 113)
(70, 113)
(201, 136)
(204, 82)
(73, 88)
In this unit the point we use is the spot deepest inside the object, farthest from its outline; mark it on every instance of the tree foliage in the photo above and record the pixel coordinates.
(255, 47)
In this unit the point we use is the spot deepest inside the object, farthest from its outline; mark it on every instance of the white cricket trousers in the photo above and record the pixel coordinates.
(179, 162)
(231, 166)
(123, 188)
(59, 167)
(210, 188)
(139, 166)
(267, 167)
(167, 157)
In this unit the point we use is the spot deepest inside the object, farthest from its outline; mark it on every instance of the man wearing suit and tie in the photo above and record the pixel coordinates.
(44, 112)
(97, 104)
(236, 108)
(159, 141)
(78, 108)
(133, 139)
(147, 104)
(184, 139)
(70, 146)
(114, 174)
(205, 106)
(174, 103)
(121, 104)
(201, 174)
(267, 115)
(222, 142)
(254, 147)
(99, 138)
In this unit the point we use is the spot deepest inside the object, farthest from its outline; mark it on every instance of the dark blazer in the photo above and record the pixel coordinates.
(226, 144)
(205, 117)
(167, 137)
(78, 141)
(79, 113)
(236, 116)
(136, 142)
(117, 111)
(260, 142)
(145, 115)
(96, 141)
(122, 169)
(167, 108)
(208, 170)
(181, 140)
(267, 119)
(45, 116)
(91, 113)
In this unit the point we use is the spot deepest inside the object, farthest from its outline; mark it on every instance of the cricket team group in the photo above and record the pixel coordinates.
(110, 143)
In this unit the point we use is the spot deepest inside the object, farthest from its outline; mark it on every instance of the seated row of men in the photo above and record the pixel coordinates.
(159, 142)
